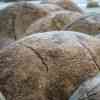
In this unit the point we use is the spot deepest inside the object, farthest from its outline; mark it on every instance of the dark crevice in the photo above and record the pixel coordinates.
(13, 27)
(38, 55)
(91, 54)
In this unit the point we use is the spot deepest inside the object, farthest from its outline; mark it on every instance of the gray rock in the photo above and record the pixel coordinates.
(89, 90)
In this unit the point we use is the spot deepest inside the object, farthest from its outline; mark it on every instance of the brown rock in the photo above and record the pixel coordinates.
(89, 24)
(48, 66)
(15, 19)
(66, 4)
(56, 21)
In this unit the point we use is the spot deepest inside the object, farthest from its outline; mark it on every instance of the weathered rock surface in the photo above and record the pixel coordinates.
(15, 19)
(55, 21)
(66, 4)
(89, 24)
(48, 66)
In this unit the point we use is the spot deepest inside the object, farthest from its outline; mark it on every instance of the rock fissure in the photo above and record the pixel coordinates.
(38, 55)
(93, 57)
(74, 22)
(13, 27)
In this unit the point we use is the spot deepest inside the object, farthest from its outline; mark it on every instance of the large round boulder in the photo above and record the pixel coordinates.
(66, 4)
(56, 21)
(15, 19)
(48, 66)
(89, 24)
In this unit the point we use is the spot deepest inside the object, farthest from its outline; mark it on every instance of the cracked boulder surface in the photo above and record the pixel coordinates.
(48, 66)
(15, 19)
(89, 24)
(56, 21)
(67, 4)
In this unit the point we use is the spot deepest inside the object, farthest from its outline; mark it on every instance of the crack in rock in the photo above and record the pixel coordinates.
(38, 55)
(13, 27)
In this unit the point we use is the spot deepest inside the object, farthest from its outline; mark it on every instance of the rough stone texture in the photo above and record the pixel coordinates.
(48, 66)
(55, 21)
(66, 4)
(88, 24)
(15, 19)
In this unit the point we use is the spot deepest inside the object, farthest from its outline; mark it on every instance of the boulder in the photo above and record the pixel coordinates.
(89, 24)
(56, 21)
(98, 35)
(66, 4)
(16, 18)
(48, 66)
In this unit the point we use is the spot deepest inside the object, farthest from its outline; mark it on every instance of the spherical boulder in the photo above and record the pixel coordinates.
(48, 66)
(15, 18)
(56, 21)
